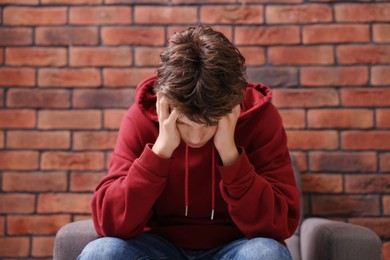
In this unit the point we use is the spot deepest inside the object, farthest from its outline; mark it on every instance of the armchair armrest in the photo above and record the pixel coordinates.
(72, 238)
(327, 239)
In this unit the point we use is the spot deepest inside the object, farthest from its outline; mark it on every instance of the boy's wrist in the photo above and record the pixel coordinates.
(160, 151)
(229, 155)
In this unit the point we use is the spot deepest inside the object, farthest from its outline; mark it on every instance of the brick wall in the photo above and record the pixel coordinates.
(68, 70)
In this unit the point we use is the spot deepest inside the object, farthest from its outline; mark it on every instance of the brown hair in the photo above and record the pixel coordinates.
(202, 74)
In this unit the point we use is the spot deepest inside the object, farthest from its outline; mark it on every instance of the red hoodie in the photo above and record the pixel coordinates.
(255, 197)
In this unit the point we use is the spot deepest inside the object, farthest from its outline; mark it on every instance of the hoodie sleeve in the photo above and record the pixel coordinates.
(123, 200)
(260, 187)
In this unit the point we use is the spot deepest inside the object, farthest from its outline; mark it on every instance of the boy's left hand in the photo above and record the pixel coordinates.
(224, 137)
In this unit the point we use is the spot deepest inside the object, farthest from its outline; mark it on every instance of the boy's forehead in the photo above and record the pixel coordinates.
(183, 119)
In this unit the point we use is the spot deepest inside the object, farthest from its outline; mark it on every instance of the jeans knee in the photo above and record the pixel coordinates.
(263, 248)
(103, 248)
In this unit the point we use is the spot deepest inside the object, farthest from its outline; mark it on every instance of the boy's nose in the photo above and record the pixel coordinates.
(196, 137)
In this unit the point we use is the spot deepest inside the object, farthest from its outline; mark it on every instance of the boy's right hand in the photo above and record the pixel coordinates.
(169, 137)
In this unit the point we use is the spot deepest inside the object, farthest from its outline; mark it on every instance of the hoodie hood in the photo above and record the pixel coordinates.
(256, 95)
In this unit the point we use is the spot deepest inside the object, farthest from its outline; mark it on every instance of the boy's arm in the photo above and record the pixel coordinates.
(259, 187)
(123, 200)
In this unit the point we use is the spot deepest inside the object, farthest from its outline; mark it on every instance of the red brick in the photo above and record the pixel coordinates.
(94, 140)
(14, 246)
(312, 140)
(69, 119)
(69, 78)
(17, 118)
(11, 160)
(34, 181)
(20, 77)
(273, 76)
(72, 161)
(166, 15)
(334, 76)
(301, 158)
(81, 217)
(373, 97)
(386, 250)
(293, 118)
(38, 140)
(125, 77)
(113, 118)
(363, 54)
(228, 14)
(224, 29)
(322, 183)
(254, 56)
(381, 226)
(108, 159)
(2, 95)
(343, 162)
(362, 12)
(136, 1)
(72, 36)
(149, 36)
(1, 56)
(36, 57)
(338, 33)
(199, 1)
(382, 118)
(2, 226)
(386, 205)
(341, 118)
(30, 16)
(293, 98)
(38, 98)
(35, 224)
(85, 182)
(301, 55)
(19, 2)
(17, 203)
(380, 76)
(73, 2)
(147, 56)
(42, 246)
(267, 35)
(381, 33)
(100, 15)
(313, 13)
(366, 140)
(1, 139)
(15, 36)
(367, 184)
(87, 56)
(64, 203)
(384, 162)
(345, 205)
(110, 98)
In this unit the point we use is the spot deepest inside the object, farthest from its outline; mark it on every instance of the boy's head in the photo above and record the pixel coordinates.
(202, 74)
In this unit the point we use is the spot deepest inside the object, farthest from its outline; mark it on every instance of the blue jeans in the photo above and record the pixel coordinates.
(152, 246)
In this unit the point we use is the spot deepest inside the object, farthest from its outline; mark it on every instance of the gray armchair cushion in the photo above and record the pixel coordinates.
(72, 238)
(323, 239)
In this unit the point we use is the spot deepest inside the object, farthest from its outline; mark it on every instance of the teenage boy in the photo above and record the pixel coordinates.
(201, 168)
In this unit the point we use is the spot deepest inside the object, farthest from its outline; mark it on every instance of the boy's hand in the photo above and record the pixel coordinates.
(224, 137)
(169, 137)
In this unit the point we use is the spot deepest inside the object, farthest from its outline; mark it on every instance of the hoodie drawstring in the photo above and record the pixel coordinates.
(186, 183)
(212, 182)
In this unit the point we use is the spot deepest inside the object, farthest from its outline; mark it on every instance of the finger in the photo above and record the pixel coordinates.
(173, 116)
(164, 108)
(158, 95)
